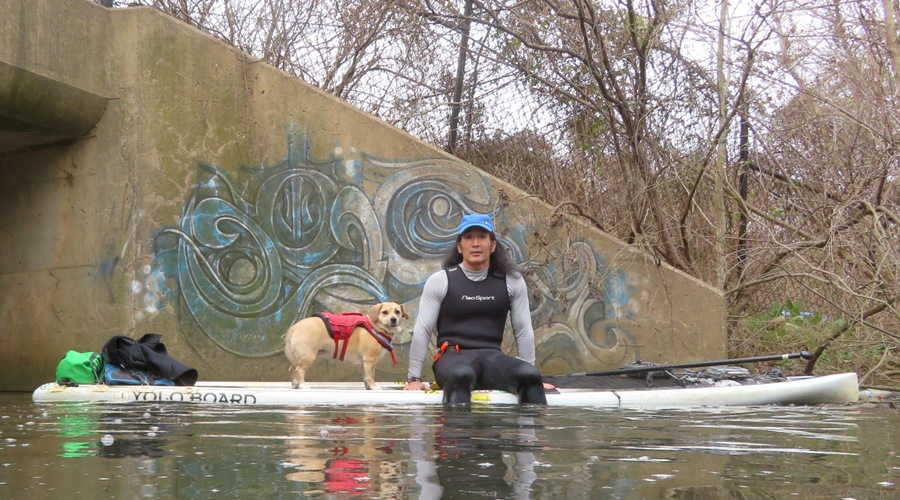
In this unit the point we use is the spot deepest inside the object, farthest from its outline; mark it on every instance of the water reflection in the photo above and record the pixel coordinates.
(76, 430)
(347, 454)
(111, 432)
(381, 451)
(451, 454)
(483, 452)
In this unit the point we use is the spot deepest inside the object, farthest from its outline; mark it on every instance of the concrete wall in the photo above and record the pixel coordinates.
(156, 180)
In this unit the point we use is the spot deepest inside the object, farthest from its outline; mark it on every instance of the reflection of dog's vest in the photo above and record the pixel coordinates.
(340, 327)
(347, 475)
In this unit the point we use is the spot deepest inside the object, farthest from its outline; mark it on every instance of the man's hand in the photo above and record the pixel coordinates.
(416, 385)
(547, 386)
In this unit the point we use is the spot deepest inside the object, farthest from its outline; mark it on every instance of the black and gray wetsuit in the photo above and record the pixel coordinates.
(469, 311)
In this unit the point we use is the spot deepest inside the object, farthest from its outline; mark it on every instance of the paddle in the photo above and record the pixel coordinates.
(653, 368)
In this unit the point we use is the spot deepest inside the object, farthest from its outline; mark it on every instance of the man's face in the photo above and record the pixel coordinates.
(476, 247)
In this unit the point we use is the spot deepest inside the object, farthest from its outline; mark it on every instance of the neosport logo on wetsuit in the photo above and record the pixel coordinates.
(478, 297)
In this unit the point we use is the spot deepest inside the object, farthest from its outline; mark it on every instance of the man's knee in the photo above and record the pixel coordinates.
(530, 386)
(459, 380)
(526, 374)
(459, 375)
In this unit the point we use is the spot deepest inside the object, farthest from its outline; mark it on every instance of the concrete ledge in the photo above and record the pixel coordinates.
(36, 110)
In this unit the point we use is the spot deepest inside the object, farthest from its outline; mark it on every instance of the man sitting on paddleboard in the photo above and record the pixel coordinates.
(467, 302)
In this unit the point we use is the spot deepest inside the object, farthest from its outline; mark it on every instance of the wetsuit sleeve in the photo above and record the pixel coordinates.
(429, 306)
(520, 316)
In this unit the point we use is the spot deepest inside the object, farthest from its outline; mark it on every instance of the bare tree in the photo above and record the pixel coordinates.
(827, 199)
(649, 120)
(632, 105)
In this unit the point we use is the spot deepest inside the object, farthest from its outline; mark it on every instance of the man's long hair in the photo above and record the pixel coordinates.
(501, 260)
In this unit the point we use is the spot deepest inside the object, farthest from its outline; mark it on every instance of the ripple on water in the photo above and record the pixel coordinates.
(412, 451)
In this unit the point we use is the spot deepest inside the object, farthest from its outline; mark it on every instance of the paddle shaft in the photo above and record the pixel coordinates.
(698, 364)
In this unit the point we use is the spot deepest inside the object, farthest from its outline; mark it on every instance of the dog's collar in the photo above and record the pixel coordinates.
(385, 340)
(385, 335)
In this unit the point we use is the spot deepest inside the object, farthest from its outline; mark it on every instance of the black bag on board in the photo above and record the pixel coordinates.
(149, 355)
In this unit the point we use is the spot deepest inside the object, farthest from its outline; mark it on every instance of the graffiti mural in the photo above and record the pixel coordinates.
(310, 234)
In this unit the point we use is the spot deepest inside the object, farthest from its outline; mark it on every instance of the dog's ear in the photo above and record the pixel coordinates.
(373, 313)
(403, 310)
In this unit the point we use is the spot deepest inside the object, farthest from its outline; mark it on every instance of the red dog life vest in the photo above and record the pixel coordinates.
(340, 327)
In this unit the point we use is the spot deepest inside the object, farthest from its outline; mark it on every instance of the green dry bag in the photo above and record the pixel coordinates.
(80, 368)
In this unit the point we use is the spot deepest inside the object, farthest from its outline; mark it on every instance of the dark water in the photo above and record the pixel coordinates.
(181, 451)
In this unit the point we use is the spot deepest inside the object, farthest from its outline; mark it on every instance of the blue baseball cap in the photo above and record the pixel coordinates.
(476, 220)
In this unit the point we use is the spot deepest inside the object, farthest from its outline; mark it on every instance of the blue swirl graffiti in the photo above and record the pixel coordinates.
(310, 234)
